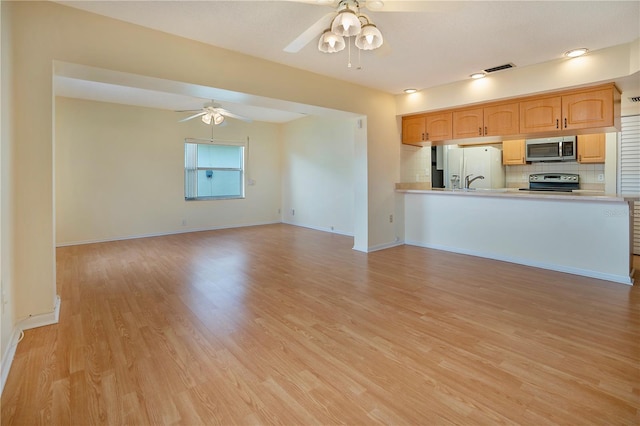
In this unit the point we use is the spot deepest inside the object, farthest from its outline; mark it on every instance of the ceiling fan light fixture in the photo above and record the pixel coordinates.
(206, 119)
(346, 23)
(330, 42)
(370, 38)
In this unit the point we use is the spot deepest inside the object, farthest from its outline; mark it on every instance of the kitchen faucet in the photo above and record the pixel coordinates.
(468, 182)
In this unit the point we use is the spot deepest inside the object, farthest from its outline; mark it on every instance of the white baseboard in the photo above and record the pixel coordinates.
(385, 246)
(159, 234)
(30, 322)
(319, 228)
(542, 265)
(7, 357)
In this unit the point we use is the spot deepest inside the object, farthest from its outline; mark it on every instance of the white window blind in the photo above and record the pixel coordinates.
(629, 169)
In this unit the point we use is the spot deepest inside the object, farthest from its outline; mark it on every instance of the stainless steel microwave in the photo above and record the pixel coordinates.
(551, 149)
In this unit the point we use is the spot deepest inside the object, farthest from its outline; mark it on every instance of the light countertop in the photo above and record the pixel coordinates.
(580, 195)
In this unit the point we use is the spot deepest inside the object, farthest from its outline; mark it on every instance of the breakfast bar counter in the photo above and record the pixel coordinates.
(584, 232)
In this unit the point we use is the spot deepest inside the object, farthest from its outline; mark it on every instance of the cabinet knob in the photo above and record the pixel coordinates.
(565, 122)
(423, 136)
(427, 136)
(557, 124)
(485, 130)
(479, 131)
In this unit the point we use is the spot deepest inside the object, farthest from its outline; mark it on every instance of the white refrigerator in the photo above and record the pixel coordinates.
(475, 161)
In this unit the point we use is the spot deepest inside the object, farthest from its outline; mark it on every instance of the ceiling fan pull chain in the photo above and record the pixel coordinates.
(349, 41)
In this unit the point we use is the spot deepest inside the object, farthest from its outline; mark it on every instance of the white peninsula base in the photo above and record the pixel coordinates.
(587, 236)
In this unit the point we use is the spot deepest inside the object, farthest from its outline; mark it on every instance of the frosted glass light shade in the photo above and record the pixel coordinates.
(206, 119)
(369, 38)
(346, 23)
(218, 118)
(330, 42)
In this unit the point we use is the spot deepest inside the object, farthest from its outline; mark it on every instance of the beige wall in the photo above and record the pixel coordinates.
(318, 173)
(120, 173)
(42, 32)
(602, 65)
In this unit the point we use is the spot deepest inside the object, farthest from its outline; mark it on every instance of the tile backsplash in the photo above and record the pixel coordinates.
(415, 164)
(518, 176)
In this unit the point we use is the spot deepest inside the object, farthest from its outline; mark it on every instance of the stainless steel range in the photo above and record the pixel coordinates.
(559, 182)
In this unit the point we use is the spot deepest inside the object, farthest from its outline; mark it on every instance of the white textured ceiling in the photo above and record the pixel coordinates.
(422, 49)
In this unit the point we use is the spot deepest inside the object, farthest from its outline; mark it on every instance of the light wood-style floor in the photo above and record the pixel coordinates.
(285, 325)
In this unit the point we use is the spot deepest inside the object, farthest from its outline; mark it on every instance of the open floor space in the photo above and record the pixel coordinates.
(280, 324)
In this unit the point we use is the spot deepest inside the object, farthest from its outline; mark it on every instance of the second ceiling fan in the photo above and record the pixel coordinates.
(213, 113)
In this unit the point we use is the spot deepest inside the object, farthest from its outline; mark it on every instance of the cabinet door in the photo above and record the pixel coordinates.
(591, 148)
(438, 126)
(588, 109)
(468, 123)
(513, 152)
(413, 129)
(540, 114)
(502, 120)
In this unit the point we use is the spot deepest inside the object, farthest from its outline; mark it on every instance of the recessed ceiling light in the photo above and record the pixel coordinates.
(576, 52)
(410, 90)
(477, 75)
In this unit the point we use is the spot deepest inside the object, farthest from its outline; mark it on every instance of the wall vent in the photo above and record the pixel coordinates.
(499, 68)
(635, 99)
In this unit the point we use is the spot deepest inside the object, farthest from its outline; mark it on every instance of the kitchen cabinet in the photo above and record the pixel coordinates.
(417, 129)
(540, 114)
(493, 120)
(591, 148)
(438, 126)
(513, 152)
(502, 119)
(413, 129)
(468, 123)
(581, 109)
(588, 109)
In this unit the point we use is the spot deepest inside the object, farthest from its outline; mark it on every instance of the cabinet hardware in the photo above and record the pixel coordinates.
(557, 124)
(565, 122)
(479, 131)
(485, 130)
(423, 136)
(427, 136)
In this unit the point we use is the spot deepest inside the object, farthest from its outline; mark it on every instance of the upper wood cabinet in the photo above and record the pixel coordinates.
(417, 129)
(495, 120)
(591, 148)
(540, 114)
(503, 119)
(595, 109)
(468, 123)
(413, 129)
(513, 152)
(438, 126)
(583, 109)
(588, 109)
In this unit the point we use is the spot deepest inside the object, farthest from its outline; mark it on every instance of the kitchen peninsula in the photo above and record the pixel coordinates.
(579, 233)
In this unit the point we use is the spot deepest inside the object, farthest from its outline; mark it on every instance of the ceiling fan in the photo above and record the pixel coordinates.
(347, 21)
(212, 113)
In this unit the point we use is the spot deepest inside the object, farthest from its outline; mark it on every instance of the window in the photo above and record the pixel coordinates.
(213, 171)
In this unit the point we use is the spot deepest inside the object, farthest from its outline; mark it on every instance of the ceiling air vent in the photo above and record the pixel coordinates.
(499, 68)
(635, 99)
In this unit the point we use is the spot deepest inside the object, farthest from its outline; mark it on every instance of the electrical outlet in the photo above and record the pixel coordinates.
(184, 222)
(279, 211)
(390, 218)
(601, 177)
(293, 212)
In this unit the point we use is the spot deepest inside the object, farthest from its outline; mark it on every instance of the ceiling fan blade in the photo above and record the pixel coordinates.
(193, 116)
(187, 110)
(232, 115)
(310, 33)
